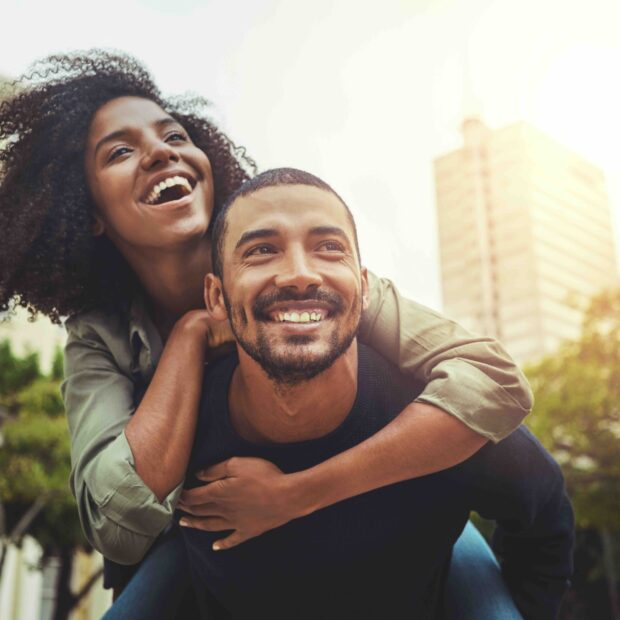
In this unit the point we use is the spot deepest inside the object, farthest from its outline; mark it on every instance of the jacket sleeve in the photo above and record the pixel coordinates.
(120, 515)
(470, 377)
(519, 485)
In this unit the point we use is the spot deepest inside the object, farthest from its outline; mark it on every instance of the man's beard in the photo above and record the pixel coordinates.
(292, 368)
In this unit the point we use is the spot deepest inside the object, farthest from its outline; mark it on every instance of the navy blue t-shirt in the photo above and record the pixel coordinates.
(383, 554)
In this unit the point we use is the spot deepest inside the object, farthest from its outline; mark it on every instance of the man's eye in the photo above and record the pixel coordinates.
(331, 246)
(260, 250)
(117, 152)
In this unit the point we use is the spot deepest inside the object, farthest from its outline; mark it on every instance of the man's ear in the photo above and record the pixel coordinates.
(364, 288)
(98, 227)
(214, 297)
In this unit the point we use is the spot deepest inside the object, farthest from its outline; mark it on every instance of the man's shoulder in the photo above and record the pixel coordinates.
(519, 460)
(381, 378)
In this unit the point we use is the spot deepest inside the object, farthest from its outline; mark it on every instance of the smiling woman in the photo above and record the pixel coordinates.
(139, 205)
(107, 193)
(50, 261)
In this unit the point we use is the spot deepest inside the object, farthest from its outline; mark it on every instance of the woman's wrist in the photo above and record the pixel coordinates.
(307, 491)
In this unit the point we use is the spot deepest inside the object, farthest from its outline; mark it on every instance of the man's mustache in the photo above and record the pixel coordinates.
(262, 304)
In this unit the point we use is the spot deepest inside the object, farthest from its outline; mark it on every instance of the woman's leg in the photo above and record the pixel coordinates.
(161, 585)
(476, 589)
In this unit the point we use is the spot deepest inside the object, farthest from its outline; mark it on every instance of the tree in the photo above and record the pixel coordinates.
(577, 417)
(35, 464)
(15, 373)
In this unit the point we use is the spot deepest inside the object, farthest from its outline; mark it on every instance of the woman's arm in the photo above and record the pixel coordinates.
(128, 465)
(471, 377)
(161, 431)
(474, 392)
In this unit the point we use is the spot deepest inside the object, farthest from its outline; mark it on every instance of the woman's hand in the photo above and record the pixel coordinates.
(247, 495)
(200, 324)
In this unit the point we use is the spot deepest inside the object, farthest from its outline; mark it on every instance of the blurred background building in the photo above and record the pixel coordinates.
(525, 236)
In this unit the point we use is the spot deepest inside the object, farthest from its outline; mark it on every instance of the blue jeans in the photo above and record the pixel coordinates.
(475, 587)
(162, 586)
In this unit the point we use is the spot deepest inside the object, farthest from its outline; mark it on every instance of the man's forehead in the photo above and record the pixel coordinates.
(281, 206)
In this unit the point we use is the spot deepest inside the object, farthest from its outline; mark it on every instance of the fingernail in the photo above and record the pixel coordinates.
(184, 522)
(216, 546)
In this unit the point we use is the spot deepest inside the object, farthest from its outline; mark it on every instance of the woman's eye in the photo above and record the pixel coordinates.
(176, 136)
(117, 152)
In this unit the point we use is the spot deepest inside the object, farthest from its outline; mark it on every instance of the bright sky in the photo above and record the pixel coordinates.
(363, 94)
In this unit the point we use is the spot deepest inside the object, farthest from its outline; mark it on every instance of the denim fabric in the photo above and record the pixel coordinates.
(475, 588)
(161, 587)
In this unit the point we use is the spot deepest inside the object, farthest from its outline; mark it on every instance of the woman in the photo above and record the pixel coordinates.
(106, 197)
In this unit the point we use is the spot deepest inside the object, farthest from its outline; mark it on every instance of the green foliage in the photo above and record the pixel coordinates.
(35, 456)
(577, 413)
(16, 373)
(34, 460)
(58, 365)
(42, 396)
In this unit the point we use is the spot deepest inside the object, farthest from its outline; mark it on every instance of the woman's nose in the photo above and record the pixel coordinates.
(158, 152)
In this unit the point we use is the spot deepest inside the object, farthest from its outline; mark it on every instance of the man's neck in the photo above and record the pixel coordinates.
(265, 412)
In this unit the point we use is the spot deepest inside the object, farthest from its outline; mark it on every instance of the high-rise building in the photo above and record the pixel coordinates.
(525, 236)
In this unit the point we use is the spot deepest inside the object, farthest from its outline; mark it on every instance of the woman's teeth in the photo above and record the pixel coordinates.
(297, 317)
(182, 182)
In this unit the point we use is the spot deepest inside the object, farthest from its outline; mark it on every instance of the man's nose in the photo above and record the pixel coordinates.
(298, 271)
(158, 152)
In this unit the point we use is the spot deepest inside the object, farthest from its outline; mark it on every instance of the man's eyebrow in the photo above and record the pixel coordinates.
(329, 230)
(258, 233)
(120, 133)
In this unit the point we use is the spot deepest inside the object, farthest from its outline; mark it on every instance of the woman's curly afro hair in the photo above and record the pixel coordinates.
(49, 260)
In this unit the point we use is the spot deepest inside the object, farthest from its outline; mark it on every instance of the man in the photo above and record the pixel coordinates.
(299, 390)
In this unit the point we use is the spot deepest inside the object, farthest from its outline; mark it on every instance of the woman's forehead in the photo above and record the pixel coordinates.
(125, 113)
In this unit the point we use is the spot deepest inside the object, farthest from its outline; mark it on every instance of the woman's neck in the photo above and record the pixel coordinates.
(174, 282)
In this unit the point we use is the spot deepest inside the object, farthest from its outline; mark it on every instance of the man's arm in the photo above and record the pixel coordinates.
(520, 486)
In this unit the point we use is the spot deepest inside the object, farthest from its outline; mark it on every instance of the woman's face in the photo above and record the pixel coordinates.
(152, 186)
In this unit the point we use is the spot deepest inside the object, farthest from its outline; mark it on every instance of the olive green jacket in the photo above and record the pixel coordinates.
(110, 359)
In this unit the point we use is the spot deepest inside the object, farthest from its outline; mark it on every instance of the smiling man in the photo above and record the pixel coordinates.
(300, 389)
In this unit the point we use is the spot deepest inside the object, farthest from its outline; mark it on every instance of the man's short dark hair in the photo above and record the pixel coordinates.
(269, 178)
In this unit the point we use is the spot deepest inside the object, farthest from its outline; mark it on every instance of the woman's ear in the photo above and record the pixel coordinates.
(214, 297)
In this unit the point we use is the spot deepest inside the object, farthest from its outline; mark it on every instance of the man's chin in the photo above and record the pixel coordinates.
(293, 358)
(291, 372)
(299, 340)
(292, 364)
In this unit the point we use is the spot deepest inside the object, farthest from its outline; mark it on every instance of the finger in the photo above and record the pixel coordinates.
(203, 495)
(202, 510)
(209, 524)
(214, 472)
(230, 541)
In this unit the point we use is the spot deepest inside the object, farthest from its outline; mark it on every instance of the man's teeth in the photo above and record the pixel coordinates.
(169, 182)
(296, 317)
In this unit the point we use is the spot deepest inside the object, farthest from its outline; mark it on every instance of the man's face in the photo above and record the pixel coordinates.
(292, 283)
